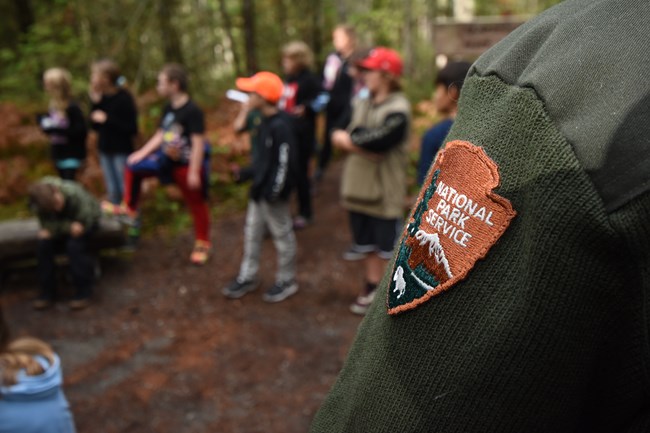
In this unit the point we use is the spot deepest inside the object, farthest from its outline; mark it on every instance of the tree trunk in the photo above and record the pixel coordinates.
(432, 15)
(169, 37)
(283, 20)
(317, 31)
(248, 12)
(24, 14)
(341, 11)
(227, 27)
(408, 40)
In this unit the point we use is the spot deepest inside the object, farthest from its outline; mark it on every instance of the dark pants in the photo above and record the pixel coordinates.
(81, 265)
(325, 153)
(303, 183)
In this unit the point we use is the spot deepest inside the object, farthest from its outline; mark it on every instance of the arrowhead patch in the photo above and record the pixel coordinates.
(455, 223)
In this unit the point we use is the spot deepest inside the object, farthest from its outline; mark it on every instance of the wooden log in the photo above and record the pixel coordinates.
(19, 238)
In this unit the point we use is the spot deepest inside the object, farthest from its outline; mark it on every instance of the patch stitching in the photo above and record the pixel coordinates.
(415, 234)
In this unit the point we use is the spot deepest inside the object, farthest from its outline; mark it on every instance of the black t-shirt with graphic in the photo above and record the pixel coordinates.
(178, 125)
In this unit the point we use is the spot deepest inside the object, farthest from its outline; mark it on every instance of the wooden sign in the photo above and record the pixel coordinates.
(468, 40)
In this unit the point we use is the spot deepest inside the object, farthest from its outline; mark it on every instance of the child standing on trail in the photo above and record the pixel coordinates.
(448, 84)
(373, 185)
(64, 124)
(114, 116)
(339, 85)
(31, 394)
(301, 88)
(68, 216)
(176, 152)
(268, 205)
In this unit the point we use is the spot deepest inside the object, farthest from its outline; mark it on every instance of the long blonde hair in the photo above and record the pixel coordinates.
(20, 355)
(59, 87)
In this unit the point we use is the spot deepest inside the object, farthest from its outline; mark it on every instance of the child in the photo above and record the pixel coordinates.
(177, 153)
(115, 118)
(373, 185)
(31, 394)
(300, 90)
(68, 216)
(268, 205)
(64, 124)
(339, 85)
(448, 84)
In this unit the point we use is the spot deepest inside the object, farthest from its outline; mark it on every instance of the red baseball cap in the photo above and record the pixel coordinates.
(383, 59)
(266, 84)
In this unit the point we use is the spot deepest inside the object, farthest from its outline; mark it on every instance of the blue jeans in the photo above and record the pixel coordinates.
(113, 165)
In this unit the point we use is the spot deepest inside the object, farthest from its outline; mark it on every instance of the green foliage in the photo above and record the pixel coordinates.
(73, 33)
(141, 39)
(51, 41)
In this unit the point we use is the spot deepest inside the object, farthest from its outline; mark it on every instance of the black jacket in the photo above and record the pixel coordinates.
(273, 175)
(116, 135)
(68, 138)
(301, 89)
(338, 107)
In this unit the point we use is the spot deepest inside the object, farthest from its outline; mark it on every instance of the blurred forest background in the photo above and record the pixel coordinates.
(216, 39)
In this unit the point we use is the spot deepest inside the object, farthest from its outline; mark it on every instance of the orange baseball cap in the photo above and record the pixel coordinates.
(266, 84)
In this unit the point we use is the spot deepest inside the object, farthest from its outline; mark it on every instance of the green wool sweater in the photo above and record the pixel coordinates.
(80, 206)
(544, 328)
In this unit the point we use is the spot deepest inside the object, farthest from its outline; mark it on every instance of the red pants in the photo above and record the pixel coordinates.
(195, 199)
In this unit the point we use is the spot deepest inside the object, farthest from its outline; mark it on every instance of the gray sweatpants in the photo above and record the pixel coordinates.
(277, 217)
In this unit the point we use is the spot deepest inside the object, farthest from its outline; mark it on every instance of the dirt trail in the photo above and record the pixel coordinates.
(163, 351)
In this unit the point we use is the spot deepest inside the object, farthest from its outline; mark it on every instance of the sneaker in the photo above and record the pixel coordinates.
(110, 208)
(41, 304)
(121, 212)
(79, 304)
(353, 254)
(300, 222)
(200, 253)
(236, 289)
(129, 218)
(280, 291)
(362, 303)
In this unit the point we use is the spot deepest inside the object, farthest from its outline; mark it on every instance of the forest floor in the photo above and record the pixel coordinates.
(161, 350)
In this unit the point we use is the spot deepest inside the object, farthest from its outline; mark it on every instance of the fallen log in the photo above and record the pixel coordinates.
(19, 238)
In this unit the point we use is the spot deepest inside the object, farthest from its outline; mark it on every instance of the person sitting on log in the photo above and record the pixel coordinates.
(68, 216)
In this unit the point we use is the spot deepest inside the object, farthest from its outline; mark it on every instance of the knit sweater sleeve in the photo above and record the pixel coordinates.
(632, 222)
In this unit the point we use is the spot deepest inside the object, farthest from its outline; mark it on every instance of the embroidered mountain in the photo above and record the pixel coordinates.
(435, 249)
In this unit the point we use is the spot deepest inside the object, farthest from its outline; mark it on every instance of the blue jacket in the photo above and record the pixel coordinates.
(36, 404)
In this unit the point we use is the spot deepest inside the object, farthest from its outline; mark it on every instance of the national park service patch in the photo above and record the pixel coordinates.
(456, 221)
